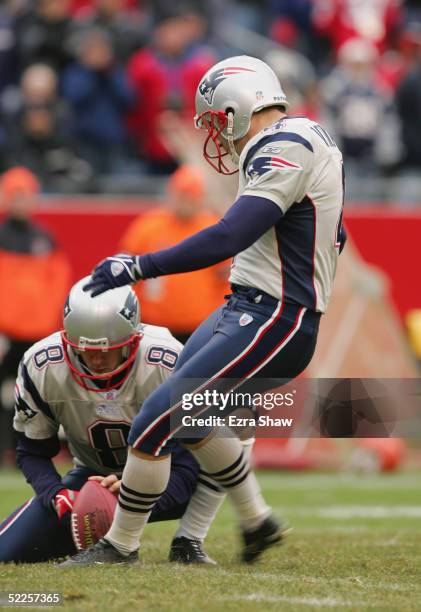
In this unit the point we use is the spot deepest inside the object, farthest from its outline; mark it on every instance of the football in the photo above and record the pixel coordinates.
(92, 514)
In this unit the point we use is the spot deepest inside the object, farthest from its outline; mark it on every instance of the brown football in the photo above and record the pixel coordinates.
(92, 514)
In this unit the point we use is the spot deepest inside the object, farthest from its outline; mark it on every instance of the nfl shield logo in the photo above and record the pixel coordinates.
(245, 319)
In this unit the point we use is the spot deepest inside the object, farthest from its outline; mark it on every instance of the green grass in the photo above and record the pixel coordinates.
(355, 546)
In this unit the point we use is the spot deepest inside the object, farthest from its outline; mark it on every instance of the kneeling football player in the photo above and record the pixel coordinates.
(91, 379)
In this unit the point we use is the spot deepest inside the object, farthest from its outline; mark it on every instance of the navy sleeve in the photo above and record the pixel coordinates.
(34, 459)
(248, 218)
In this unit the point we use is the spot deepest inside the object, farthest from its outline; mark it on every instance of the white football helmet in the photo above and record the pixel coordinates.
(102, 323)
(226, 98)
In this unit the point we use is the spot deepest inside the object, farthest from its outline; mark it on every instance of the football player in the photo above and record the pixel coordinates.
(91, 378)
(285, 233)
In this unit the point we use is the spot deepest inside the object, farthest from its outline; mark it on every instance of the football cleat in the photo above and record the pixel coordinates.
(101, 553)
(269, 533)
(184, 550)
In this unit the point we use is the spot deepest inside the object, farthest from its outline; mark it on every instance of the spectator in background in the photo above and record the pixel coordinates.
(359, 111)
(181, 301)
(298, 79)
(39, 142)
(290, 24)
(341, 20)
(34, 280)
(38, 87)
(165, 75)
(39, 84)
(396, 62)
(7, 46)
(126, 28)
(44, 33)
(100, 96)
(37, 123)
(408, 101)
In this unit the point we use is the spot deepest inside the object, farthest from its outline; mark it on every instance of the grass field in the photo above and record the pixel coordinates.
(356, 545)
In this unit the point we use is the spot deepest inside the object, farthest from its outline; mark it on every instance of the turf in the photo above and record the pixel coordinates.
(355, 546)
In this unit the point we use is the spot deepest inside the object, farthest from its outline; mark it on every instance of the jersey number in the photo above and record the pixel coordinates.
(161, 355)
(51, 354)
(325, 136)
(110, 443)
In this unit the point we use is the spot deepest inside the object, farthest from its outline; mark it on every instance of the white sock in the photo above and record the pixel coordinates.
(222, 458)
(204, 504)
(142, 485)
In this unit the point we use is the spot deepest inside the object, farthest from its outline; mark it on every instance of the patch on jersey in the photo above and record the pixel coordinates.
(271, 149)
(49, 354)
(245, 319)
(208, 86)
(24, 410)
(108, 410)
(109, 395)
(261, 165)
(162, 355)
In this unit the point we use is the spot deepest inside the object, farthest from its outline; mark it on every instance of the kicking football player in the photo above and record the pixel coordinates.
(91, 379)
(285, 234)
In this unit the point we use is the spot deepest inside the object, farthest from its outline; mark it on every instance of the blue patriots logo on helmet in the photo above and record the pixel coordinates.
(130, 309)
(215, 78)
(261, 165)
(67, 310)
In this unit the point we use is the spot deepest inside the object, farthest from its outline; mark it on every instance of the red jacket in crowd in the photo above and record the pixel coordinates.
(162, 85)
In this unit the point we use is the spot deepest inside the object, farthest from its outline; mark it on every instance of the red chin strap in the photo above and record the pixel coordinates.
(82, 378)
(214, 122)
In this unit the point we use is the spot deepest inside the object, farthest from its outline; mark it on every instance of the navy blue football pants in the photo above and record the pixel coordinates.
(33, 533)
(252, 336)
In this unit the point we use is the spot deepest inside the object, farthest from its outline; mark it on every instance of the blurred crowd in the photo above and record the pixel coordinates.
(85, 85)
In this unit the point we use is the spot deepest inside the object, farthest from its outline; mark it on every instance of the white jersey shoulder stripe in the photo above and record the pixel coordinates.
(276, 137)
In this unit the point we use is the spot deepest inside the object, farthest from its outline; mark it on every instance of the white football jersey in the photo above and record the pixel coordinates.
(296, 165)
(96, 424)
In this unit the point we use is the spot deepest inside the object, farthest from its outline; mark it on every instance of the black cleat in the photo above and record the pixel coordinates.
(268, 534)
(184, 550)
(101, 553)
